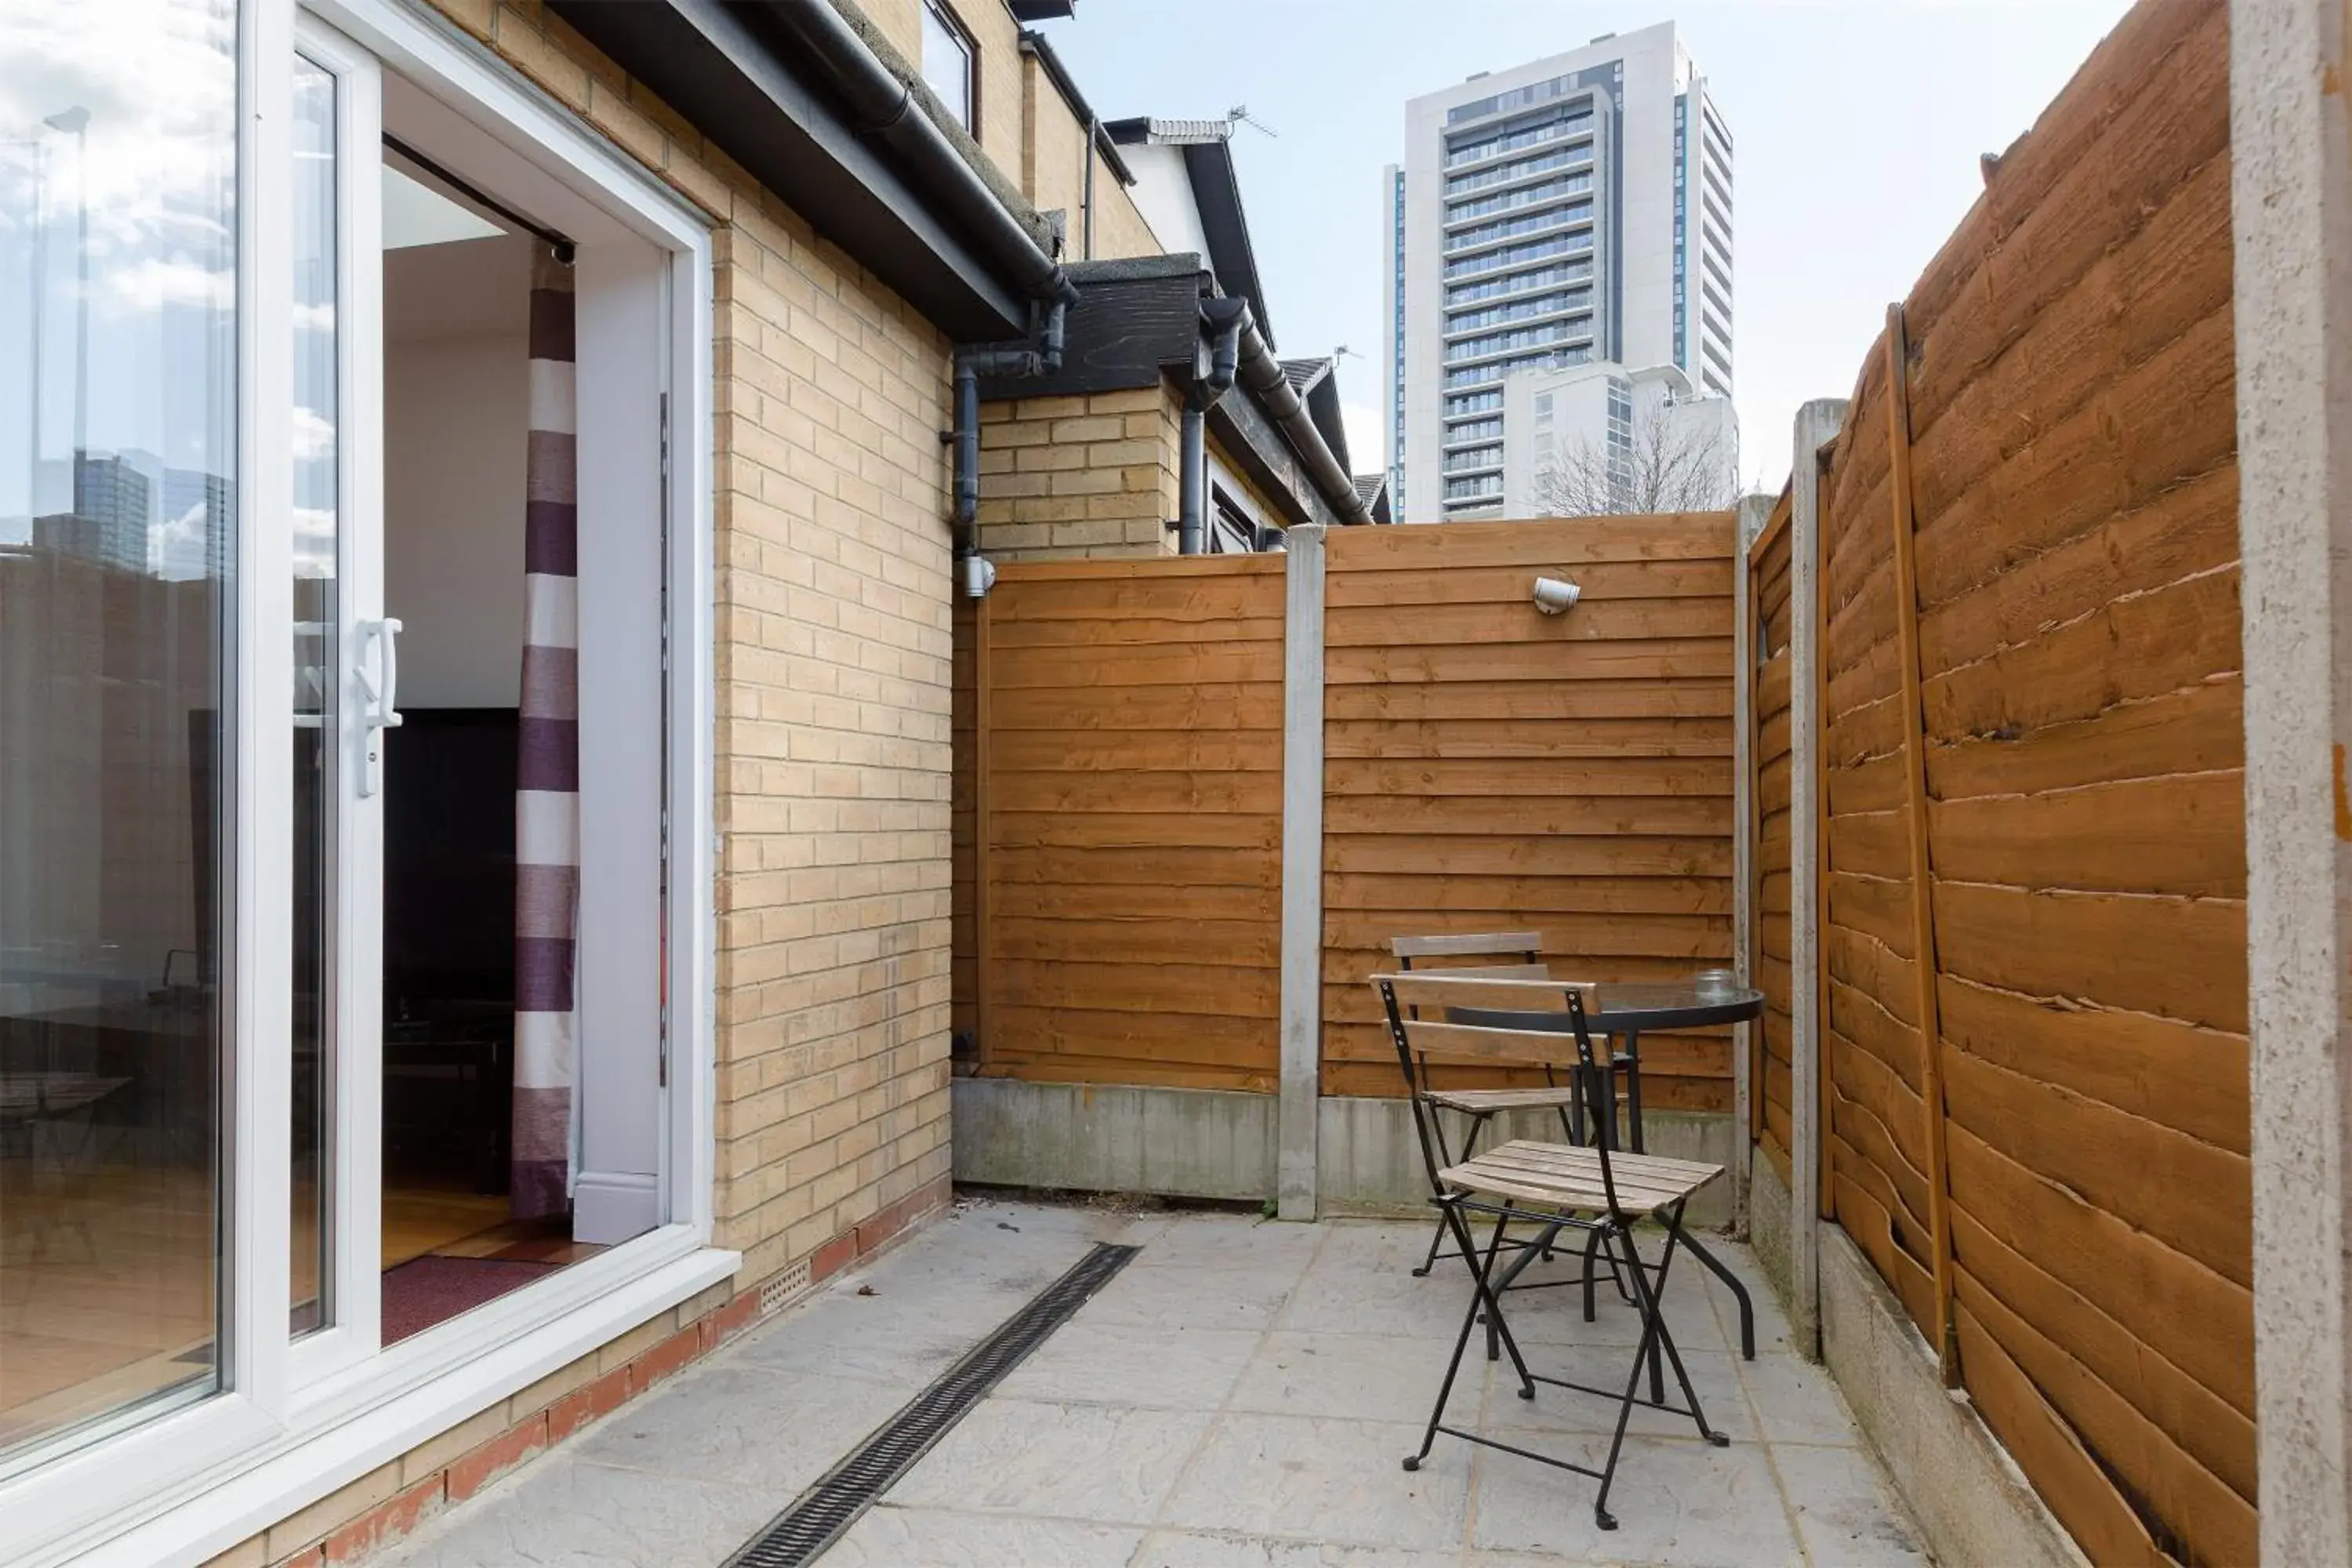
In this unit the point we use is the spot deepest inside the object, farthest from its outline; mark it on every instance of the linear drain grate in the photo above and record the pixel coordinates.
(817, 1519)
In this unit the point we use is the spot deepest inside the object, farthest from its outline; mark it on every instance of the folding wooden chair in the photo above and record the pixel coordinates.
(1595, 1189)
(1484, 955)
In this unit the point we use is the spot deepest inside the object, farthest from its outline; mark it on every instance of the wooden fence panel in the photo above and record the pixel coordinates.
(1118, 821)
(1489, 767)
(1772, 1041)
(2067, 428)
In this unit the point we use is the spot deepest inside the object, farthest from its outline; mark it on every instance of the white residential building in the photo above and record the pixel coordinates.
(1571, 210)
(1600, 438)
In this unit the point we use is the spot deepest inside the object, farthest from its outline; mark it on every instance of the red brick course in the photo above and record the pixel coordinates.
(534, 1432)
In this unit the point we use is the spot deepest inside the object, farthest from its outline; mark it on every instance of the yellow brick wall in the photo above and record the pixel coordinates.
(831, 660)
(1053, 174)
(1092, 474)
(1120, 228)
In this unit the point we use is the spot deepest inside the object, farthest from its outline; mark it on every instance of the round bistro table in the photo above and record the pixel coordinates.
(1623, 1013)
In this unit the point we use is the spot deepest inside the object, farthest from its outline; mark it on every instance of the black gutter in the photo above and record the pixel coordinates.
(762, 98)
(1262, 375)
(884, 108)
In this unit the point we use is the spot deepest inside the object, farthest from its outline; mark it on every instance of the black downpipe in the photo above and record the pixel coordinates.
(1039, 354)
(1221, 321)
(967, 454)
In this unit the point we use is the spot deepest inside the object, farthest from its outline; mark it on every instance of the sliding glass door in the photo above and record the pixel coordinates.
(200, 687)
(118, 528)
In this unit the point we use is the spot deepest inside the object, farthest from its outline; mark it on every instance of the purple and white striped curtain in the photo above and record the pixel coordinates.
(547, 795)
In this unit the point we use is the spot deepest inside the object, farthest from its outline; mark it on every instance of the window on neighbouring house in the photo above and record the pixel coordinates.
(951, 64)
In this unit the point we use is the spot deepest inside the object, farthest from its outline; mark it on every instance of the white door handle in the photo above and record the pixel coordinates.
(382, 699)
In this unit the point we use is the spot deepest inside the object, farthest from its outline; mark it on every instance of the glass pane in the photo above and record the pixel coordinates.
(317, 669)
(118, 352)
(947, 66)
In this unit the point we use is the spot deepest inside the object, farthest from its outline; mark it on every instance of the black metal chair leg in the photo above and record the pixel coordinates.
(1650, 1324)
(1653, 1298)
(1747, 1307)
(1482, 1303)
(1591, 1253)
(1469, 1145)
(1438, 1129)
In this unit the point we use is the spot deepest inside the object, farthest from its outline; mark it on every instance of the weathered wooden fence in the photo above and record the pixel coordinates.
(1118, 821)
(1771, 1055)
(1121, 737)
(1488, 767)
(2034, 1036)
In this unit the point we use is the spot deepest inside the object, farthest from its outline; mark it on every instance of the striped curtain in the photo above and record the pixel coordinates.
(546, 797)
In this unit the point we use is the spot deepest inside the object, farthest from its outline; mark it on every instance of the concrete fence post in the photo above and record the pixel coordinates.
(2290, 218)
(1817, 427)
(1302, 875)
(1754, 511)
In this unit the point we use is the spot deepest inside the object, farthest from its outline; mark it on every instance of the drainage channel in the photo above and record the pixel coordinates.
(821, 1514)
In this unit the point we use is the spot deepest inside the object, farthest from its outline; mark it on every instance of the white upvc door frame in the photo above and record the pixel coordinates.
(297, 1420)
(353, 1167)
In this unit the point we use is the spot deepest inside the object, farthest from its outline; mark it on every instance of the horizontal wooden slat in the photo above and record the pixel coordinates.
(1634, 696)
(1505, 627)
(1654, 658)
(1540, 737)
(1599, 581)
(1568, 542)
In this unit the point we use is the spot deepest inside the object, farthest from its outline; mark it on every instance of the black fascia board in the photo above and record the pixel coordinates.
(1217, 194)
(774, 119)
(1135, 321)
(1252, 442)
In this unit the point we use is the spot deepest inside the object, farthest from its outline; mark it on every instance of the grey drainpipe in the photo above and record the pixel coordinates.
(1261, 374)
(1087, 201)
(1039, 354)
(1222, 322)
(886, 110)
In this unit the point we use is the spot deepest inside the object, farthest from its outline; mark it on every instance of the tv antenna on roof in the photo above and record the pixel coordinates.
(1239, 114)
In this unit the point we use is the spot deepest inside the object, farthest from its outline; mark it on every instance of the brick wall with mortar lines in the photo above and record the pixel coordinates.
(832, 653)
(832, 627)
(1082, 475)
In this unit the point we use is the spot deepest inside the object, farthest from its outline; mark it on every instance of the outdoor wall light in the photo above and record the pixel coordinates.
(978, 574)
(1554, 596)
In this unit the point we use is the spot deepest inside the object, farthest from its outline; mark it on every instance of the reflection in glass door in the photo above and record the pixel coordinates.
(118, 505)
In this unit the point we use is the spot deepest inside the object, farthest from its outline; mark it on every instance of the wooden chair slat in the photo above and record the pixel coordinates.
(1562, 1156)
(1492, 1099)
(1571, 1178)
(1465, 945)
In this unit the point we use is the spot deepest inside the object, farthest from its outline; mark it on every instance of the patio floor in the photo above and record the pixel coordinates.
(1240, 1394)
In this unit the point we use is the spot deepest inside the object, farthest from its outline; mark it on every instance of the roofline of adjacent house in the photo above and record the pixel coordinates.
(1208, 153)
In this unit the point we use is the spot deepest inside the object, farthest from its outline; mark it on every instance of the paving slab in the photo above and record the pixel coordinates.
(1240, 1396)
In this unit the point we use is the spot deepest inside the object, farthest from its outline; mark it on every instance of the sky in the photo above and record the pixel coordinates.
(1858, 126)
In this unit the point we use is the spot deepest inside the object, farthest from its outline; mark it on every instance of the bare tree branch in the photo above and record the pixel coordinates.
(1668, 468)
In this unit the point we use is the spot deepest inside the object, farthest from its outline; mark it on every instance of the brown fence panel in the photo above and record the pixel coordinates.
(1771, 1043)
(2067, 393)
(1489, 767)
(1118, 821)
